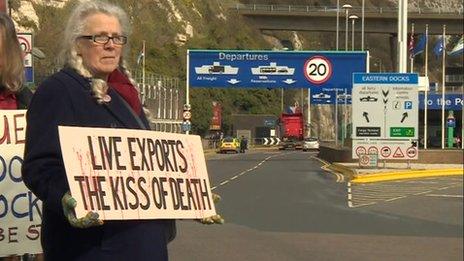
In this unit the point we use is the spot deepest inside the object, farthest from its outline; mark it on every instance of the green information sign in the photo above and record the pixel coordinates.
(402, 132)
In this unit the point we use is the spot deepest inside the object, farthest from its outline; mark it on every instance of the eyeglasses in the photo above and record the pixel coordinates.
(104, 39)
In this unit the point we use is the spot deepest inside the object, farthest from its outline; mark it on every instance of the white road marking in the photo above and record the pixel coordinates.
(444, 195)
(388, 200)
(375, 193)
(424, 192)
(340, 177)
(247, 171)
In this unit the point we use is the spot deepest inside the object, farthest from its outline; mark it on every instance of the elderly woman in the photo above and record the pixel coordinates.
(12, 93)
(93, 90)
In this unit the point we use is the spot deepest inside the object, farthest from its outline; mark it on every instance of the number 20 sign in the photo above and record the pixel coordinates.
(318, 69)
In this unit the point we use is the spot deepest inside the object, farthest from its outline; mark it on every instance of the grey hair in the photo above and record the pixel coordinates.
(75, 28)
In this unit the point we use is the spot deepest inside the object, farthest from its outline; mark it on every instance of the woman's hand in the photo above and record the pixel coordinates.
(216, 219)
(90, 220)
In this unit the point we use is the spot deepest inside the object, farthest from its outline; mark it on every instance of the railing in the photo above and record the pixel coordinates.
(357, 9)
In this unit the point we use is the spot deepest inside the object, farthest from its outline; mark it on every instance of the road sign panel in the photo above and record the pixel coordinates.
(186, 126)
(411, 152)
(329, 96)
(274, 69)
(398, 153)
(385, 106)
(187, 115)
(368, 160)
(386, 149)
(402, 132)
(25, 42)
(360, 150)
(368, 131)
(318, 69)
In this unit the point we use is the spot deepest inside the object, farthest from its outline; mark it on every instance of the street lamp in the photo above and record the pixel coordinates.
(347, 7)
(352, 17)
(362, 25)
(338, 23)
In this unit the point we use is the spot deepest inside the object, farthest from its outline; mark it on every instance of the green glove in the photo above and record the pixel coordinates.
(90, 220)
(216, 219)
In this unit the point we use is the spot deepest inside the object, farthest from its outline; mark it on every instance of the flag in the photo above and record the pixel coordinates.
(439, 46)
(411, 46)
(420, 47)
(458, 48)
(139, 58)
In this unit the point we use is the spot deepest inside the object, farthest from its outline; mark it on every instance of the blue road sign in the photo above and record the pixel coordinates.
(408, 105)
(451, 122)
(327, 96)
(452, 101)
(274, 69)
(386, 78)
(186, 126)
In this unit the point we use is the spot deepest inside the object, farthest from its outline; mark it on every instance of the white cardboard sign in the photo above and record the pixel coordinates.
(20, 210)
(136, 174)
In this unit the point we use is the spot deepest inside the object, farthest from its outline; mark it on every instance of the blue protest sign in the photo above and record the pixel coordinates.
(274, 69)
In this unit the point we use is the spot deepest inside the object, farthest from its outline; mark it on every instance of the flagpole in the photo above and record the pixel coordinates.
(411, 56)
(426, 87)
(143, 71)
(443, 90)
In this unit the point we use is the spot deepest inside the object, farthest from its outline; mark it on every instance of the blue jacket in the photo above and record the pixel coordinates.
(65, 98)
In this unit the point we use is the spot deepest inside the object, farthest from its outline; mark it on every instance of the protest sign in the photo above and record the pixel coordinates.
(20, 210)
(136, 174)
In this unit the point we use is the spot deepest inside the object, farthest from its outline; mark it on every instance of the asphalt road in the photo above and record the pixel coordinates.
(280, 205)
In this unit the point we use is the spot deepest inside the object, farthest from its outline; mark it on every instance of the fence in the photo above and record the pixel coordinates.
(163, 97)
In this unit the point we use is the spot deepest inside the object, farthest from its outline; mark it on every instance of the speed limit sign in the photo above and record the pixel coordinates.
(187, 115)
(318, 69)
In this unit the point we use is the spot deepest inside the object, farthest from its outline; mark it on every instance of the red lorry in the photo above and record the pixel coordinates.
(291, 130)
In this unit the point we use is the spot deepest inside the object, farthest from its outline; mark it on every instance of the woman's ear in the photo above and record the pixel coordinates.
(78, 48)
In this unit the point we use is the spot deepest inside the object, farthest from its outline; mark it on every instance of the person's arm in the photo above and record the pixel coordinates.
(43, 169)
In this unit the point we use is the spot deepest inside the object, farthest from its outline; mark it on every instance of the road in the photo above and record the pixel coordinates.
(280, 205)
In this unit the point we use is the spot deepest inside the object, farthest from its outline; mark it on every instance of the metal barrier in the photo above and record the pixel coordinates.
(313, 8)
(163, 97)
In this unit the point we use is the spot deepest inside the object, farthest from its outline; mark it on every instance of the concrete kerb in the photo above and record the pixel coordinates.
(411, 174)
(346, 171)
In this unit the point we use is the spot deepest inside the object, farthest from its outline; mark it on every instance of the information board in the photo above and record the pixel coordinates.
(385, 106)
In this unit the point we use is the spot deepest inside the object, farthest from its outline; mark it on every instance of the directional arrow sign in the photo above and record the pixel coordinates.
(233, 81)
(289, 81)
(385, 93)
(405, 115)
(366, 115)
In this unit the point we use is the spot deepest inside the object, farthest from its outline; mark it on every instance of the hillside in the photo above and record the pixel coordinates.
(170, 27)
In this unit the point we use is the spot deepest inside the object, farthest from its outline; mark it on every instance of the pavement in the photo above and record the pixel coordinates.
(395, 171)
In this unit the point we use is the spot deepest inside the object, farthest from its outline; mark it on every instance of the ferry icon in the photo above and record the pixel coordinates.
(216, 68)
(272, 69)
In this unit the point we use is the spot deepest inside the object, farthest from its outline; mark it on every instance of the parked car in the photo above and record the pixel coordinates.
(310, 144)
(229, 144)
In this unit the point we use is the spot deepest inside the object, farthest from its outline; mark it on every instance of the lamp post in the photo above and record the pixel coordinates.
(362, 25)
(353, 18)
(338, 23)
(379, 65)
(347, 7)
